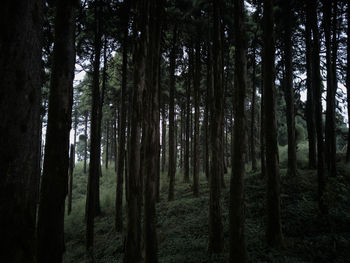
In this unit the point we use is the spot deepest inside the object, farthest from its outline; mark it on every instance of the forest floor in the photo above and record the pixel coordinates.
(183, 223)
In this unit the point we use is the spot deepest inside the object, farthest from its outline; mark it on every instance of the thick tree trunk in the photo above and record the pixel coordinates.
(70, 179)
(216, 118)
(151, 149)
(56, 161)
(310, 102)
(20, 70)
(274, 227)
(122, 127)
(289, 92)
(238, 250)
(196, 85)
(330, 144)
(133, 250)
(172, 158)
(317, 88)
(92, 202)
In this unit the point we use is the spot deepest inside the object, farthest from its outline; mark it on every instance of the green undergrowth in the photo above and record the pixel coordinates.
(182, 224)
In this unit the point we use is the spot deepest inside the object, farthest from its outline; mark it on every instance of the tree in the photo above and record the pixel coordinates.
(70, 178)
(56, 161)
(216, 124)
(348, 79)
(238, 251)
(20, 71)
(274, 228)
(172, 158)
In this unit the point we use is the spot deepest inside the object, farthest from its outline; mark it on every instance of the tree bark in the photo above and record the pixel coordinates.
(122, 128)
(20, 70)
(86, 117)
(187, 132)
(317, 87)
(274, 227)
(70, 179)
(164, 149)
(253, 122)
(172, 158)
(92, 203)
(238, 250)
(56, 161)
(216, 118)
(348, 80)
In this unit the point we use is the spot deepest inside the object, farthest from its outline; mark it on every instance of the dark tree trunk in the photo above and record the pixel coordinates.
(172, 158)
(151, 149)
(196, 85)
(238, 250)
(274, 227)
(122, 127)
(187, 132)
(56, 161)
(20, 70)
(163, 138)
(289, 92)
(252, 125)
(92, 203)
(310, 102)
(107, 144)
(133, 251)
(317, 88)
(207, 109)
(70, 179)
(86, 118)
(216, 118)
(331, 53)
(348, 81)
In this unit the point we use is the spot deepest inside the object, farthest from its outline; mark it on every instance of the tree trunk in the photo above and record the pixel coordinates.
(274, 228)
(163, 138)
(86, 117)
(172, 160)
(216, 118)
(70, 179)
(56, 161)
(133, 251)
(289, 92)
(238, 250)
(252, 125)
(151, 149)
(196, 86)
(95, 151)
(187, 132)
(330, 150)
(317, 87)
(310, 102)
(20, 72)
(122, 127)
(348, 81)
(107, 144)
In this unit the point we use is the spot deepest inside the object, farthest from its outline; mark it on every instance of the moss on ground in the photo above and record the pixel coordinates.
(183, 223)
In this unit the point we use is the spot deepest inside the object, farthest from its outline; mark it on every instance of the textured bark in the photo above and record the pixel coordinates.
(196, 86)
(289, 92)
(86, 118)
(238, 250)
(133, 251)
(216, 118)
(274, 227)
(253, 113)
(331, 53)
(151, 120)
(348, 80)
(70, 179)
(317, 88)
(92, 202)
(122, 127)
(172, 158)
(56, 161)
(310, 102)
(20, 70)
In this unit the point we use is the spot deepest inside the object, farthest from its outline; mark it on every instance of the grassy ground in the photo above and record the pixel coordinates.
(183, 224)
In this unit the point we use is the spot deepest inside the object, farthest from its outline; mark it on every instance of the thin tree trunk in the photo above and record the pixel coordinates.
(252, 125)
(172, 158)
(289, 93)
(70, 179)
(164, 149)
(196, 84)
(216, 117)
(20, 71)
(56, 161)
(107, 144)
(187, 132)
(274, 227)
(86, 117)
